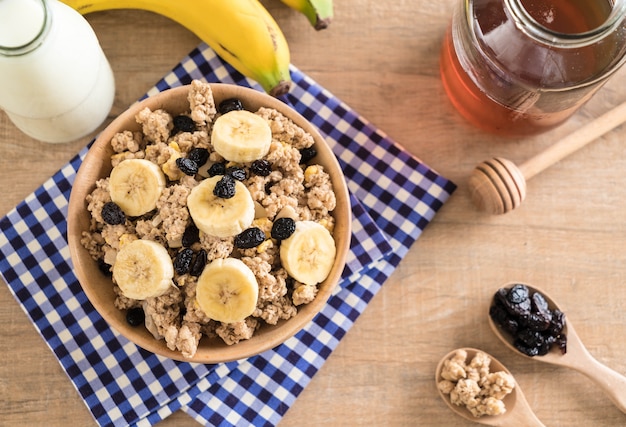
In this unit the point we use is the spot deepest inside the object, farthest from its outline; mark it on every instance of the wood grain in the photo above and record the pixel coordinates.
(381, 58)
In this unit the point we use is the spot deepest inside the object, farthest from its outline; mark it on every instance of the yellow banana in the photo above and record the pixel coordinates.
(318, 12)
(242, 32)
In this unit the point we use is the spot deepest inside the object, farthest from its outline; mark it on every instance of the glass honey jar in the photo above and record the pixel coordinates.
(522, 67)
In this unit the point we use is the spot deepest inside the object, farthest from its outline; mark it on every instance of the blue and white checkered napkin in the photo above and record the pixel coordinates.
(394, 196)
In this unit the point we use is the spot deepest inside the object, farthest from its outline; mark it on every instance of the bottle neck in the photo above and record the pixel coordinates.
(24, 24)
(542, 25)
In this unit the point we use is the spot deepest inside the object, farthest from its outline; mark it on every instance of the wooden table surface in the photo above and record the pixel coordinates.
(381, 58)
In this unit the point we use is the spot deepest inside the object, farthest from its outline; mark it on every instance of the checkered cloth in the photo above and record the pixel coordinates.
(393, 195)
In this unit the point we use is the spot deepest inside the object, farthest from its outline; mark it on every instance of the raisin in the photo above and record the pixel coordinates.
(104, 267)
(184, 124)
(307, 154)
(561, 343)
(527, 350)
(528, 318)
(217, 169)
(557, 323)
(182, 262)
(261, 167)
(225, 187)
(199, 155)
(187, 166)
(500, 296)
(501, 318)
(250, 238)
(112, 214)
(230, 104)
(539, 304)
(537, 322)
(283, 228)
(545, 346)
(135, 316)
(520, 310)
(191, 235)
(238, 173)
(199, 263)
(530, 338)
(518, 294)
(540, 316)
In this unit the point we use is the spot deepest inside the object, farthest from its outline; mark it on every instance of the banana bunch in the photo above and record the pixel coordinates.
(318, 12)
(242, 32)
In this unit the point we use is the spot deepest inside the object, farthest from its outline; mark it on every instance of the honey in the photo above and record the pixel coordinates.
(521, 67)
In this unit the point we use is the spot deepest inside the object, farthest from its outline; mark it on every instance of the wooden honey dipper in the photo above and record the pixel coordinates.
(498, 186)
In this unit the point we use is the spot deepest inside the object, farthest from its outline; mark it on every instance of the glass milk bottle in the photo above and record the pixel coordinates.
(521, 67)
(56, 85)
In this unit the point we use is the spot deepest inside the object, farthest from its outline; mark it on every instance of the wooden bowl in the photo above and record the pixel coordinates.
(99, 288)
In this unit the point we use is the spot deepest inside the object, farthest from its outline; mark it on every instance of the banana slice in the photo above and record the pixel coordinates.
(309, 253)
(143, 269)
(136, 185)
(227, 290)
(218, 216)
(241, 136)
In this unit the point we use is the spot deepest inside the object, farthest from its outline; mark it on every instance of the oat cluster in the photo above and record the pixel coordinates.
(473, 385)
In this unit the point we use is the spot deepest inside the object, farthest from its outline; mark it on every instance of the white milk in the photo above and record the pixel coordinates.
(56, 85)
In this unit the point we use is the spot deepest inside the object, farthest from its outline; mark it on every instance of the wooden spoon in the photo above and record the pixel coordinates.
(518, 412)
(577, 357)
(498, 186)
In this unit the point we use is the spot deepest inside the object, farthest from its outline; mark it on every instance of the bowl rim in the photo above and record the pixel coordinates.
(92, 168)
